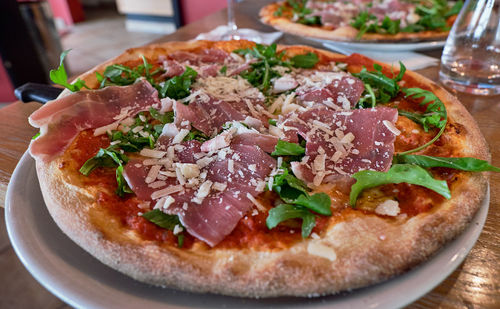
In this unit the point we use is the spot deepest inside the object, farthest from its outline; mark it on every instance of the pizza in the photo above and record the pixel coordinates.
(257, 171)
(361, 20)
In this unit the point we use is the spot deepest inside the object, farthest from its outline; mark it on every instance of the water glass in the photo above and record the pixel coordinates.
(471, 57)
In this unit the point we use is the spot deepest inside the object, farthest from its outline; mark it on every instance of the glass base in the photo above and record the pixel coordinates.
(468, 87)
(241, 35)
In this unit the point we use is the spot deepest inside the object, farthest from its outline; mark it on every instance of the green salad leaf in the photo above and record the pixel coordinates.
(261, 71)
(165, 221)
(398, 173)
(378, 86)
(179, 87)
(299, 203)
(435, 113)
(464, 164)
(60, 77)
(285, 212)
(306, 61)
(284, 148)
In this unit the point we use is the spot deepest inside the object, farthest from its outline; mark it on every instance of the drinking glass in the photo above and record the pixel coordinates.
(471, 56)
(233, 32)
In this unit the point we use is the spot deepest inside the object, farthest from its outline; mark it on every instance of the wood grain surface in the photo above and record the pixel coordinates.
(475, 284)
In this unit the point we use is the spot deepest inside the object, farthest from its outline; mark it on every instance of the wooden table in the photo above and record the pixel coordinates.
(475, 284)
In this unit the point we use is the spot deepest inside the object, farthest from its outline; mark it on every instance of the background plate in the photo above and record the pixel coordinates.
(388, 47)
(82, 281)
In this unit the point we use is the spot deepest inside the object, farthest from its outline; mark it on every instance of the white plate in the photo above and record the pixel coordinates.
(388, 47)
(81, 281)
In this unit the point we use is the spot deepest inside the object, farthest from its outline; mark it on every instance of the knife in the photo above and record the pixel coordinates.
(42, 93)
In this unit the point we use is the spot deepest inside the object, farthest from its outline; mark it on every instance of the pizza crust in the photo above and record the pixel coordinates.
(346, 33)
(357, 251)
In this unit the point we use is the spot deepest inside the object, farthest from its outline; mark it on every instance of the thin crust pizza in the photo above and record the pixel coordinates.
(257, 171)
(364, 21)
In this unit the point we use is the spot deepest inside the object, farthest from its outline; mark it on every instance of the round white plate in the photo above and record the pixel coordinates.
(387, 47)
(83, 282)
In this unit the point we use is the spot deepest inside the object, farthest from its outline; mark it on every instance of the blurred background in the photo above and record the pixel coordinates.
(34, 33)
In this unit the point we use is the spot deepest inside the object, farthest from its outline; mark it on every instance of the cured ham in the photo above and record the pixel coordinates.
(343, 143)
(216, 196)
(61, 120)
(205, 56)
(338, 91)
(208, 114)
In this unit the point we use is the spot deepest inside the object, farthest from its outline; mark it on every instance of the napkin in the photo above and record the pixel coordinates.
(262, 37)
(411, 60)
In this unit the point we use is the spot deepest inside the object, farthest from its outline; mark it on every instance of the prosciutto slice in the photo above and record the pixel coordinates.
(343, 143)
(208, 114)
(233, 174)
(343, 92)
(205, 56)
(61, 120)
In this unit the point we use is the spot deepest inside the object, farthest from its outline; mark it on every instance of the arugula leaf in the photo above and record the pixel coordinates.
(426, 120)
(223, 70)
(122, 187)
(261, 71)
(318, 202)
(398, 173)
(455, 9)
(178, 87)
(383, 87)
(306, 61)
(165, 221)
(302, 14)
(284, 148)
(168, 117)
(435, 113)
(109, 157)
(60, 77)
(285, 212)
(196, 135)
(464, 164)
(121, 75)
(162, 219)
(272, 122)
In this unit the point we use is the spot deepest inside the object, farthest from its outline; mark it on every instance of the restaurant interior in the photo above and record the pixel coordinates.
(36, 32)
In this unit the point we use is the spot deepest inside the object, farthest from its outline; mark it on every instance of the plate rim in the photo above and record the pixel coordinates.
(72, 297)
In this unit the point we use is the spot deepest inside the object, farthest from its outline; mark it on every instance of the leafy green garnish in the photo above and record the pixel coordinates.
(60, 77)
(464, 164)
(301, 14)
(272, 122)
(366, 22)
(285, 212)
(299, 203)
(435, 113)
(196, 135)
(36, 135)
(168, 117)
(109, 157)
(383, 87)
(261, 71)
(306, 61)
(223, 70)
(178, 87)
(283, 148)
(398, 173)
(121, 75)
(165, 221)
(433, 15)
